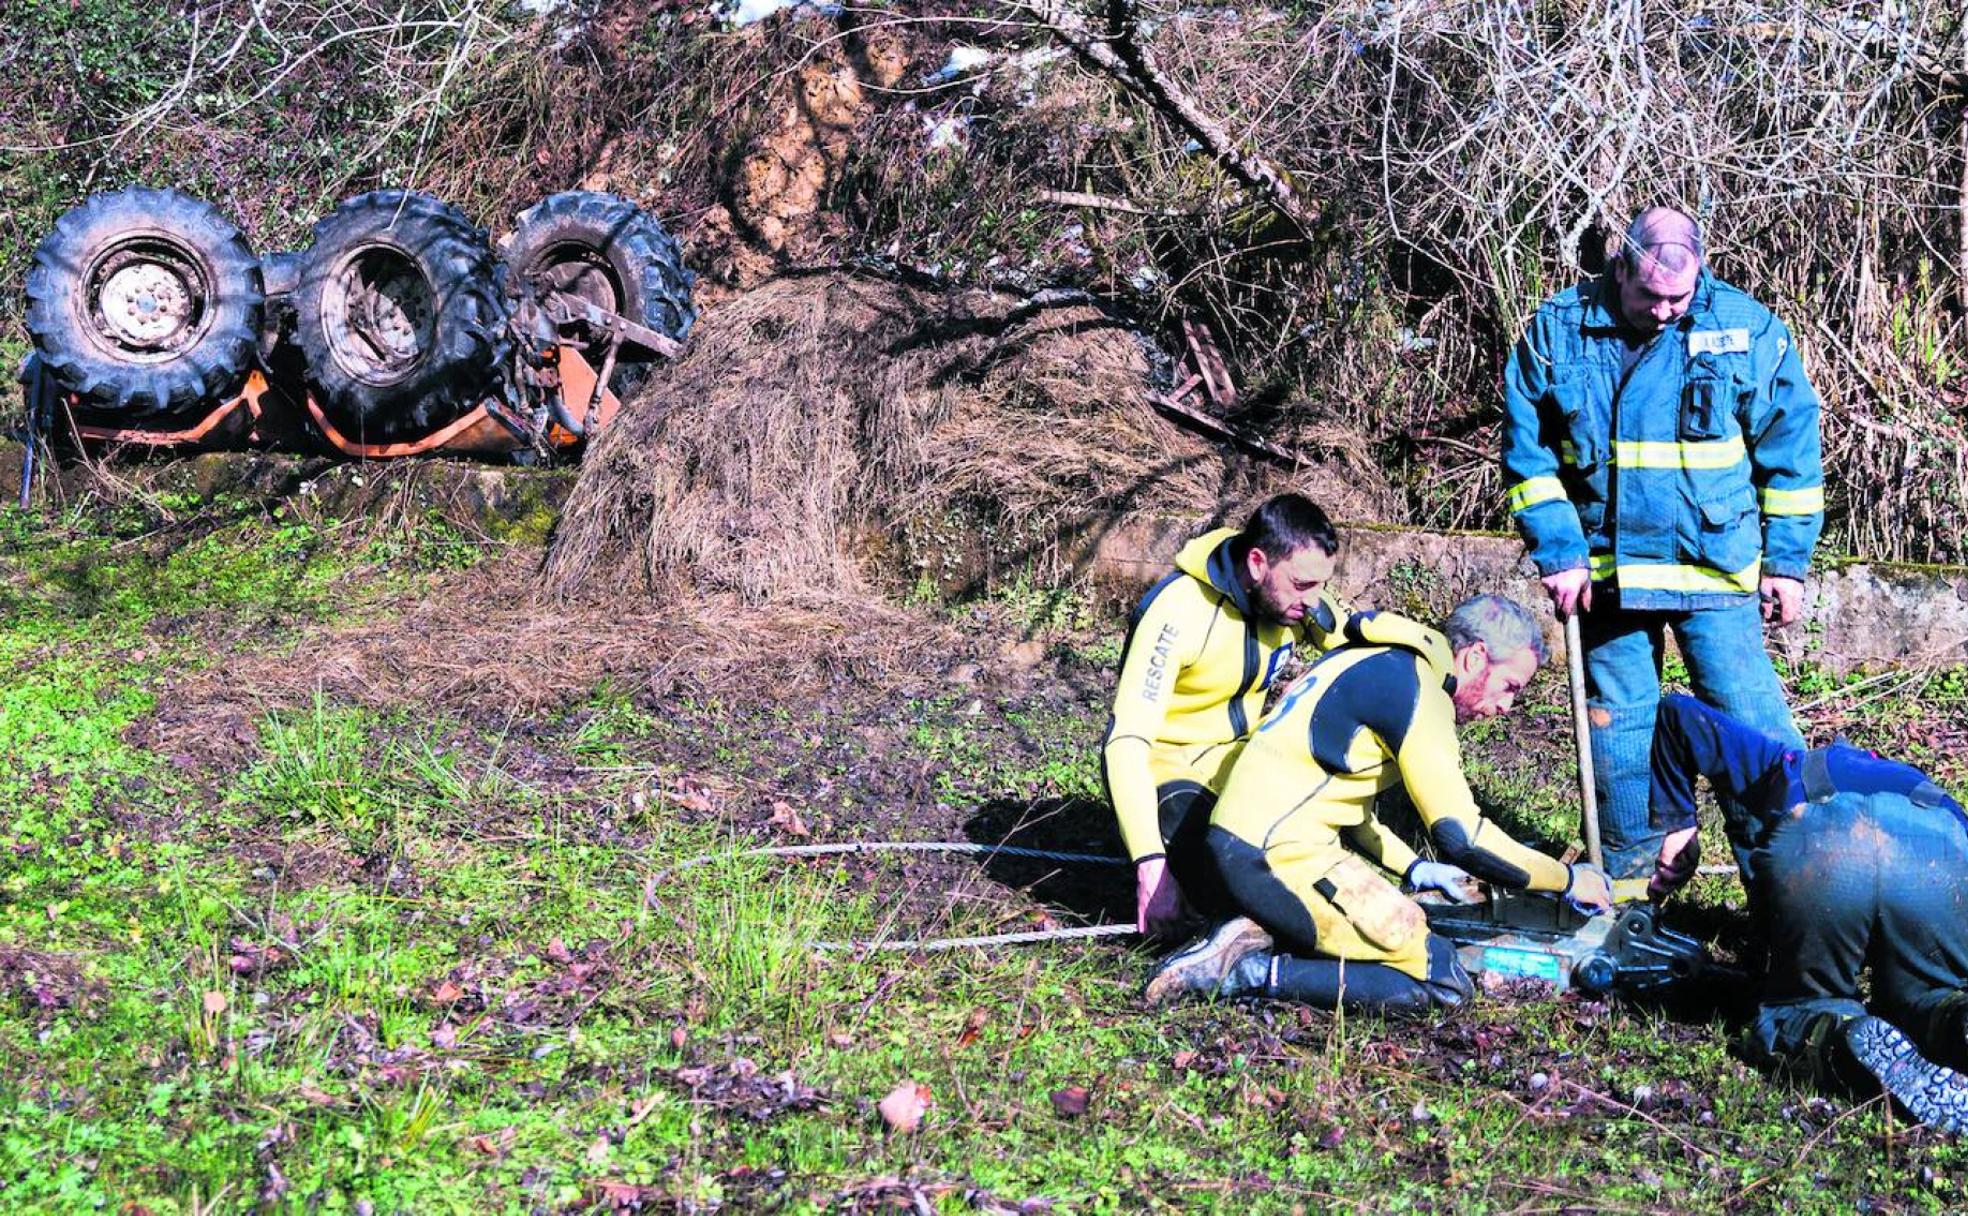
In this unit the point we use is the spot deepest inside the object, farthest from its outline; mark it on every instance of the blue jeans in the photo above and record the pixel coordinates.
(1729, 668)
(1858, 879)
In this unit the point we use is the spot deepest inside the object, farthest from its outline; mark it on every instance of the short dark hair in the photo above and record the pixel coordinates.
(1283, 526)
(1500, 623)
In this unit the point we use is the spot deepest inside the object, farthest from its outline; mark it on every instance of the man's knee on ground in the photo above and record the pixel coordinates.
(1450, 984)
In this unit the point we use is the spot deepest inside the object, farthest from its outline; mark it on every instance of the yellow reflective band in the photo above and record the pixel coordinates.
(1693, 579)
(1602, 566)
(1567, 453)
(1808, 501)
(1532, 491)
(1657, 454)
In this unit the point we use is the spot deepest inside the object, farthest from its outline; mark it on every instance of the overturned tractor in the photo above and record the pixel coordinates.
(399, 330)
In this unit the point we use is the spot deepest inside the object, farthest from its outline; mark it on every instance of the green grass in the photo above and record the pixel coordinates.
(390, 958)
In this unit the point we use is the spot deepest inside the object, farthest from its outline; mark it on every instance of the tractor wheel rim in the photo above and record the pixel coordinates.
(148, 300)
(383, 314)
(584, 272)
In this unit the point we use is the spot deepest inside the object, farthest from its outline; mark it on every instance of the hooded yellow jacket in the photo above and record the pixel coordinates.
(1364, 718)
(1194, 674)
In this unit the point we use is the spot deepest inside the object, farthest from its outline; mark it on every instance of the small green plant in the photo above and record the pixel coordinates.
(318, 770)
(1104, 651)
(1032, 609)
(611, 721)
(1415, 589)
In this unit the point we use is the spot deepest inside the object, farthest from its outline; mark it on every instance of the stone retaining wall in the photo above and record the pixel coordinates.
(1857, 614)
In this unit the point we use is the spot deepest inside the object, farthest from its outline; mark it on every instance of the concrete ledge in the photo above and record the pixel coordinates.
(1856, 615)
(500, 501)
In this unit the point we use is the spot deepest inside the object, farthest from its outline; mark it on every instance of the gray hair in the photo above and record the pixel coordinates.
(1500, 623)
(1668, 236)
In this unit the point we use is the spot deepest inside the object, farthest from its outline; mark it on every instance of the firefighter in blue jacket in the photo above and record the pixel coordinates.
(1856, 860)
(1661, 460)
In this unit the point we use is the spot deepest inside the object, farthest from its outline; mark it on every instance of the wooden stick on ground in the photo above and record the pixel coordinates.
(1581, 730)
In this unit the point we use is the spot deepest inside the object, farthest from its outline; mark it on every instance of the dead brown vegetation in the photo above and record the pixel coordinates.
(810, 414)
(1462, 161)
(487, 644)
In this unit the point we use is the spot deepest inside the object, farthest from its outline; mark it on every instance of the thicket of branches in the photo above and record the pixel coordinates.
(1380, 191)
(1463, 161)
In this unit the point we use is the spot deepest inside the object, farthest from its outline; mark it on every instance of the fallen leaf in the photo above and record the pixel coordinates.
(318, 1097)
(599, 1150)
(447, 993)
(678, 1037)
(495, 1145)
(642, 1110)
(973, 1025)
(445, 1035)
(1070, 1102)
(1183, 1059)
(557, 952)
(215, 1003)
(788, 819)
(692, 797)
(840, 1038)
(904, 1107)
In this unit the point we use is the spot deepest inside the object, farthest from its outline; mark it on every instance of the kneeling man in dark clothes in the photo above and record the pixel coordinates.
(1851, 858)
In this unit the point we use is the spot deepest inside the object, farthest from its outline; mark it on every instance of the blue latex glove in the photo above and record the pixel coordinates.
(1452, 881)
(1589, 891)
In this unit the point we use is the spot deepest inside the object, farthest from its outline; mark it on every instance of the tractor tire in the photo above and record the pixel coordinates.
(145, 302)
(401, 315)
(280, 272)
(610, 252)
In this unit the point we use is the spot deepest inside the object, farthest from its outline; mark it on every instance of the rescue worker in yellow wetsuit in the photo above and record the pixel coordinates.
(1202, 648)
(1307, 861)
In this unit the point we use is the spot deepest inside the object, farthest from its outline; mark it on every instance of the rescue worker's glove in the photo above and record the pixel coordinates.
(1588, 889)
(1671, 875)
(1452, 881)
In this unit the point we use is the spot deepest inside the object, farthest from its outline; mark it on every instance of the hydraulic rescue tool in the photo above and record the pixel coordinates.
(1519, 935)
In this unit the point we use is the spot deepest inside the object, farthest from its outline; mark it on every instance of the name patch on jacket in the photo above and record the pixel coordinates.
(1718, 342)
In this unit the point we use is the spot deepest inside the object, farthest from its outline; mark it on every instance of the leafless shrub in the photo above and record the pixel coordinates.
(1470, 159)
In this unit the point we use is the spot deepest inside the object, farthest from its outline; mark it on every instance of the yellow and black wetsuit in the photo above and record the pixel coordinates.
(1194, 674)
(1294, 830)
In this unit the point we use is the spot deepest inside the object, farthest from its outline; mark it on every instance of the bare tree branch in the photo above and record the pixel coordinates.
(1120, 54)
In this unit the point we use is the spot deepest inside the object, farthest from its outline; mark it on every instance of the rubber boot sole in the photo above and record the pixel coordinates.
(1930, 1092)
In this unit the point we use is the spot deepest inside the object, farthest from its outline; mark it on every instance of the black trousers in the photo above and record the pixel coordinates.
(1185, 816)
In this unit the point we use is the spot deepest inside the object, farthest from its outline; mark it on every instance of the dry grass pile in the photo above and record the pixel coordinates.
(820, 410)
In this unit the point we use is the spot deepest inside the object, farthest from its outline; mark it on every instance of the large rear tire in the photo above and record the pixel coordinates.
(608, 251)
(145, 302)
(400, 312)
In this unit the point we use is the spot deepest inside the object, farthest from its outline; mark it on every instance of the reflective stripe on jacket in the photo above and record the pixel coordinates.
(1684, 486)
